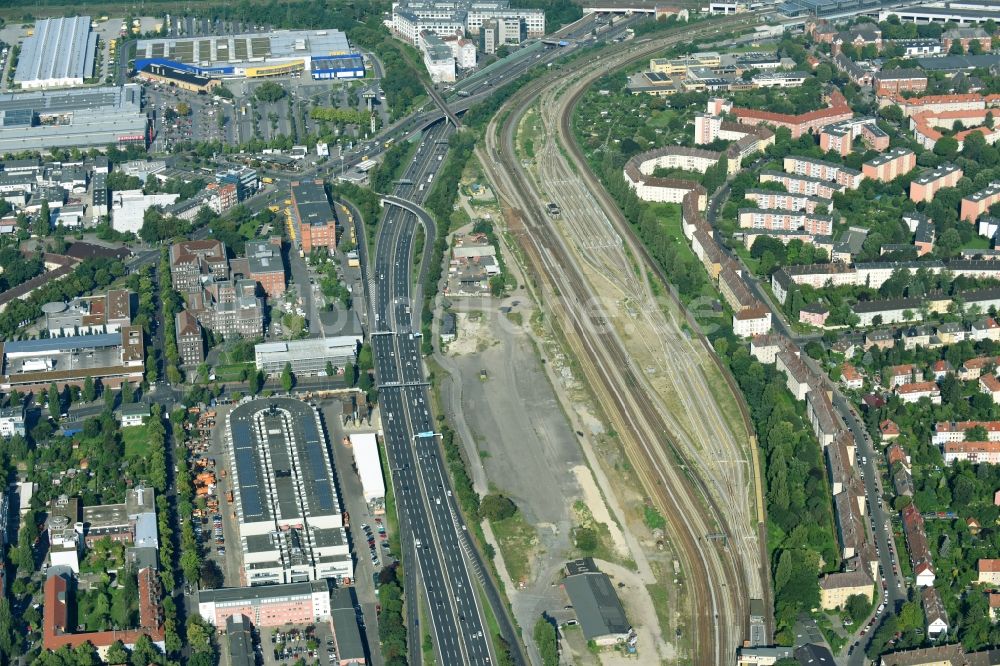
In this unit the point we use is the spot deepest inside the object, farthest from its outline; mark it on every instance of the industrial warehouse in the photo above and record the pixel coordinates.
(324, 54)
(112, 358)
(72, 118)
(60, 53)
(289, 515)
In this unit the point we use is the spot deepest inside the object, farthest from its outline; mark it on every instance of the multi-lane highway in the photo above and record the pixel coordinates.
(435, 536)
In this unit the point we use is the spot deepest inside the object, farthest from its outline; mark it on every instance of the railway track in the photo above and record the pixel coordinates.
(718, 585)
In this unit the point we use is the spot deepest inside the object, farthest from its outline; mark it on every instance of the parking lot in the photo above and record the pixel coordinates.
(284, 645)
(236, 121)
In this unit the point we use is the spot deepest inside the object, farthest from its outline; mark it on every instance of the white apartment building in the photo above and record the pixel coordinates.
(467, 17)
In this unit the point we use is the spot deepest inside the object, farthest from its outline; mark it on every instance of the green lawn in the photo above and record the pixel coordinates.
(232, 372)
(516, 538)
(977, 243)
(136, 441)
(661, 119)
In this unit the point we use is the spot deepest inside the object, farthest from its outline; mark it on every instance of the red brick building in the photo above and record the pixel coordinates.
(314, 224)
(57, 633)
(892, 81)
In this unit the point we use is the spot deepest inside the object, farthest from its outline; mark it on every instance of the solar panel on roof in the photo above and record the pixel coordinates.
(246, 470)
(18, 118)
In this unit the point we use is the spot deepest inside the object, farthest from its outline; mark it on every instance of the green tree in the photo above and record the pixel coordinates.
(128, 393)
(256, 380)
(10, 642)
(330, 372)
(287, 378)
(43, 221)
(117, 654)
(585, 538)
(55, 409)
(496, 507)
(946, 147)
(269, 91)
(211, 575)
(976, 433)
(547, 641)
(89, 391)
(858, 606)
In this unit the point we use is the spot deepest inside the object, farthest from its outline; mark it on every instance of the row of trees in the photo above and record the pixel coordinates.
(340, 116)
(170, 305)
(797, 493)
(441, 202)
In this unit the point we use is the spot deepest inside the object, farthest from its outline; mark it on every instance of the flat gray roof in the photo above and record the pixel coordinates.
(61, 49)
(261, 592)
(80, 117)
(345, 628)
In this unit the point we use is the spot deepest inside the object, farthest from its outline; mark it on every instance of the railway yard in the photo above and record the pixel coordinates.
(649, 377)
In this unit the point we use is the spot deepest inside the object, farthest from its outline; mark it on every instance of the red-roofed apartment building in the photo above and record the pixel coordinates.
(57, 633)
(802, 123)
(973, 452)
(990, 385)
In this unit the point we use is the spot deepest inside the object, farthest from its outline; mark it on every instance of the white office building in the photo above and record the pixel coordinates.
(128, 208)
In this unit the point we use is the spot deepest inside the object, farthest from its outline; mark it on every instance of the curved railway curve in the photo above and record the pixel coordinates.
(718, 584)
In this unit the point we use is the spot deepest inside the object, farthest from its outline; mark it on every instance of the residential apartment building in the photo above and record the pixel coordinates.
(752, 321)
(951, 431)
(934, 613)
(785, 220)
(913, 392)
(839, 137)
(979, 203)
(669, 190)
(786, 200)
(890, 165)
(806, 185)
(926, 185)
(836, 588)
(800, 124)
(972, 452)
(807, 166)
(892, 81)
(190, 340)
(444, 17)
(919, 47)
